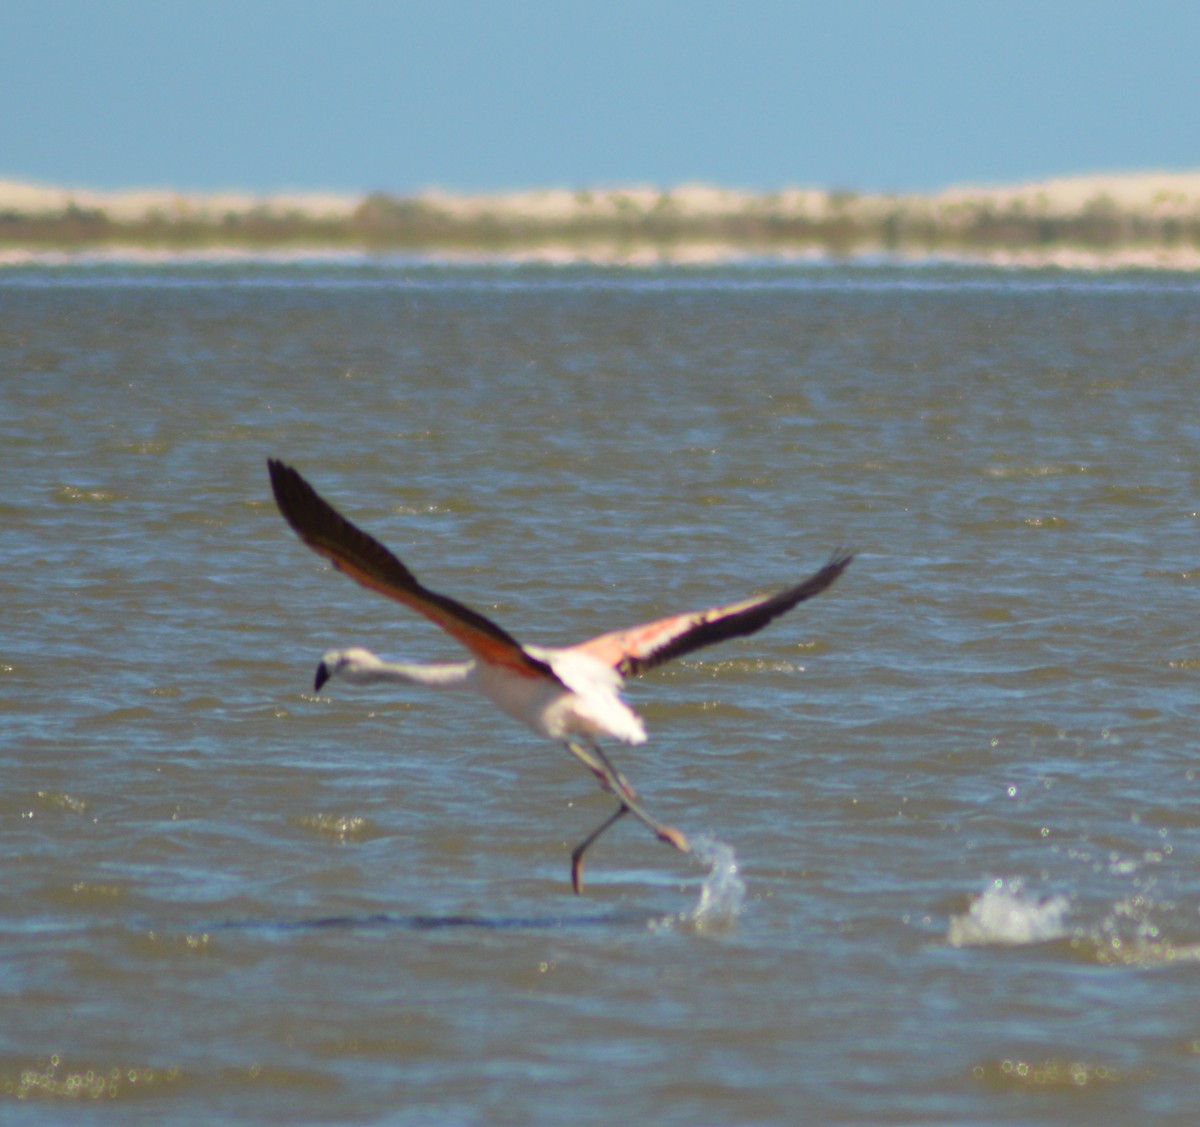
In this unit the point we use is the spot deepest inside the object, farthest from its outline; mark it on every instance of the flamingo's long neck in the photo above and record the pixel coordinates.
(361, 667)
(436, 676)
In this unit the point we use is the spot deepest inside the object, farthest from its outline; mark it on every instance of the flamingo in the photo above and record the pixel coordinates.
(570, 694)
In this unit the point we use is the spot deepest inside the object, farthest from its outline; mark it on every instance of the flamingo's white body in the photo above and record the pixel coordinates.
(569, 694)
(581, 700)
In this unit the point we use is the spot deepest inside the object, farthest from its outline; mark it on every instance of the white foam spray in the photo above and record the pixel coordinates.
(721, 893)
(1006, 915)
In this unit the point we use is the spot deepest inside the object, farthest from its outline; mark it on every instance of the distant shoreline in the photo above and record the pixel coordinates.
(1145, 220)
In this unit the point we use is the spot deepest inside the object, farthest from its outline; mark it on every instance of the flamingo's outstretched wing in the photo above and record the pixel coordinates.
(364, 559)
(639, 648)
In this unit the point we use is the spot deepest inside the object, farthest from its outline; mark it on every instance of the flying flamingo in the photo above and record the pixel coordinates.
(570, 694)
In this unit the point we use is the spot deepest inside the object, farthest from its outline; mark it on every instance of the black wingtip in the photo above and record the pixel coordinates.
(841, 559)
(279, 472)
(301, 505)
(321, 677)
(282, 475)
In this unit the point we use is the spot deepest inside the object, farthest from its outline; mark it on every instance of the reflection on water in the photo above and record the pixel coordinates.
(356, 906)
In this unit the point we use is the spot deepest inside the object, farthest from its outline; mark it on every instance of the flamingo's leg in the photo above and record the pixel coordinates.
(581, 848)
(611, 779)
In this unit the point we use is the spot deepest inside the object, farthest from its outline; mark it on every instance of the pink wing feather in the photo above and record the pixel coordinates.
(365, 560)
(638, 648)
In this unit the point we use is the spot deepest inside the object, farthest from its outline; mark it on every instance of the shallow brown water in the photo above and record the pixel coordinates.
(955, 797)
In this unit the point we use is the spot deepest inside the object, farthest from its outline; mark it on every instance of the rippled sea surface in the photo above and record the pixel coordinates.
(949, 811)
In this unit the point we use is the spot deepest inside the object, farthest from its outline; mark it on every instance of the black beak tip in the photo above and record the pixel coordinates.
(321, 678)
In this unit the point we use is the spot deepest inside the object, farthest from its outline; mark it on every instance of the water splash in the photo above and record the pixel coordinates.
(721, 893)
(1006, 915)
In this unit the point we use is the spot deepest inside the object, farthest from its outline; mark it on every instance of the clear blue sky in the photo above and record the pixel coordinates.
(492, 94)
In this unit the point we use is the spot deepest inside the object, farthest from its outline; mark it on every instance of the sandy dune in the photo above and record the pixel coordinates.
(1149, 219)
(1146, 193)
